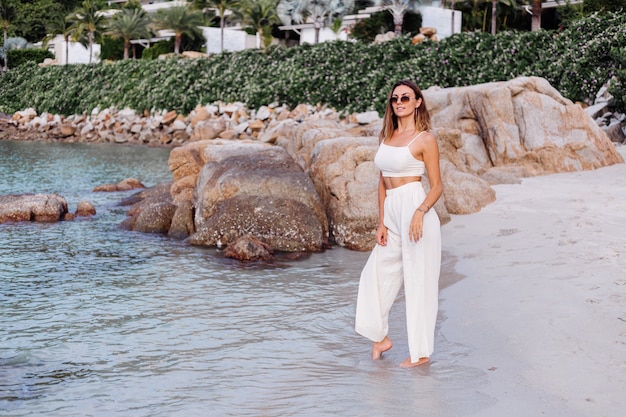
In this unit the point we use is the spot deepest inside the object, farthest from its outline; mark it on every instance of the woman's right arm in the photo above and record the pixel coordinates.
(381, 232)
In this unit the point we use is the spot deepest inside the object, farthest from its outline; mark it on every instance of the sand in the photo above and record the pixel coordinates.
(542, 305)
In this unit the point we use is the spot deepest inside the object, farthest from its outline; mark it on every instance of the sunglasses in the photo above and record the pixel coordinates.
(403, 99)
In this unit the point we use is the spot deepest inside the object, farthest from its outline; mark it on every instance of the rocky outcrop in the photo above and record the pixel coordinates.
(257, 189)
(32, 207)
(523, 124)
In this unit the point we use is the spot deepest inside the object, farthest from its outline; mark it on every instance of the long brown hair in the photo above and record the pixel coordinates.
(390, 120)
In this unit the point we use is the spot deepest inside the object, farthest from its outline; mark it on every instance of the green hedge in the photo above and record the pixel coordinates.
(349, 76)
(19, 57)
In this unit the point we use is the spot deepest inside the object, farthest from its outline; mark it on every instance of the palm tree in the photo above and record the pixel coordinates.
(7, 16)
(182, 21)
(222, 6)
(88, 19)
(60, 25)
(129, 24)
(261, 15)
(397, 8)
(320, 11)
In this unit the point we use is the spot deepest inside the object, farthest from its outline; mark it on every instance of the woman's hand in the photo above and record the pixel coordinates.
(416, 229)
(381, 235)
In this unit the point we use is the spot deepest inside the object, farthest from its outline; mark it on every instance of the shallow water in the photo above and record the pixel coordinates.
(100, 321)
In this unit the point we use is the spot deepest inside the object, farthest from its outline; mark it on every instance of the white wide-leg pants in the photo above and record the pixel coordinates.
(401, 261)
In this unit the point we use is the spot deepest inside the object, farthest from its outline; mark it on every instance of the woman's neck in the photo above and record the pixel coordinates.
(406, 126)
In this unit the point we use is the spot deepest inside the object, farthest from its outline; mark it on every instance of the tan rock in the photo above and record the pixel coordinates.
(169, 117)
(428, 31)
(256, 125)
(85, 209)
(249, 188)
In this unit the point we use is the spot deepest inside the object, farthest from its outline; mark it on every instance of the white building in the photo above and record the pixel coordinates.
(76, 53)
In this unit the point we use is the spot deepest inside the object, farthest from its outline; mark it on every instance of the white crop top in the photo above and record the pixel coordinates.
(398, 161)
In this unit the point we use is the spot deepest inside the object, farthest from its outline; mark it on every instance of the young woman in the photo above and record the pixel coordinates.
(408, 238)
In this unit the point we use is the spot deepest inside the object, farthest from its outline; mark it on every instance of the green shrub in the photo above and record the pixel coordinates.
(159, 48)
(112, 49)
(18, 57)
(349, 76)
(382, 22)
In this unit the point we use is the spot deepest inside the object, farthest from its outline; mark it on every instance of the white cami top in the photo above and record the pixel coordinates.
(398, 161)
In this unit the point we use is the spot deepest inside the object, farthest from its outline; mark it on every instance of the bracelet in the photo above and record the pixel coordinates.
(420, 209)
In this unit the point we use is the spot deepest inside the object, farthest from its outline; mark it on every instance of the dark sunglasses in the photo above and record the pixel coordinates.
(403, 99)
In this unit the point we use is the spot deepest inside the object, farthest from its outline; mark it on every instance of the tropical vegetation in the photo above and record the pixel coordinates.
(349, 76)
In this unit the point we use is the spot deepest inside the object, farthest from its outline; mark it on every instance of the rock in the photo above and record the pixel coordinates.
(464, 193)
(384, 37)
(85, 208)
(615, 131)
(182, 222)
(346, 179)
(178, 125)
(263, 113)
(367, 117)
(256, 125)
(300, 142)
(67, 130)
(249, 248)
(200, 114)
(152, 210)
(169, 117)
(597, 109)
(124, 185)
(524, 122)
(193, 54)
(32, 207)
(249, 188)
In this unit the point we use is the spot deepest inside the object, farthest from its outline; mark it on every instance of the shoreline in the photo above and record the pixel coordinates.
(541, 306)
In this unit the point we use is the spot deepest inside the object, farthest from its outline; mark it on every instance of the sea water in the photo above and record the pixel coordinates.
(100, 321)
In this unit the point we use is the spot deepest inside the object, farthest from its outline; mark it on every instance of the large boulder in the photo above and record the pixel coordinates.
(32, 207)
(523, 123)
(248, 188)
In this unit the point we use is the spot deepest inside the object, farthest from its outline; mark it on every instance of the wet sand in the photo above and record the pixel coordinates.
(541, 307)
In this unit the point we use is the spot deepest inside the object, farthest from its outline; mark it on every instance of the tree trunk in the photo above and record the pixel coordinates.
(536, 19)
(317, 26)
(6, 53)
(494, 15)
(67, 50)
(90, 36)
(177, 42)
(126, 48)
(221, 34)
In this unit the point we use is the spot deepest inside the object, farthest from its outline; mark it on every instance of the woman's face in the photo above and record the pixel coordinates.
(403, 101)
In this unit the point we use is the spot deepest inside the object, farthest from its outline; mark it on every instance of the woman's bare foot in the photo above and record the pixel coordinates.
(379, 347)
(408, 364)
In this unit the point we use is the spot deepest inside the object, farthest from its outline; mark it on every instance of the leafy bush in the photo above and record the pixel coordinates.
(382, 22)
(350, 76)
(159, 48)
(112, 49)
(18, 57)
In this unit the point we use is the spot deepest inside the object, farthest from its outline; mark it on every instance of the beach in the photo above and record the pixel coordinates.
(538, 294)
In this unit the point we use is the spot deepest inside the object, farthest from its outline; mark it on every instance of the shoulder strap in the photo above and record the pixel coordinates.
(415, 138)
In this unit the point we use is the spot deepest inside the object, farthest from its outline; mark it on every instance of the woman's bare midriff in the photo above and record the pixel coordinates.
(395, 182)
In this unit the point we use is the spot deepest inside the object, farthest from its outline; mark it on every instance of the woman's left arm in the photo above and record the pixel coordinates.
(430, 155)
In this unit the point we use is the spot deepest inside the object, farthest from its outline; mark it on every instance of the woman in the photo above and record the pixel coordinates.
(408, 239)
